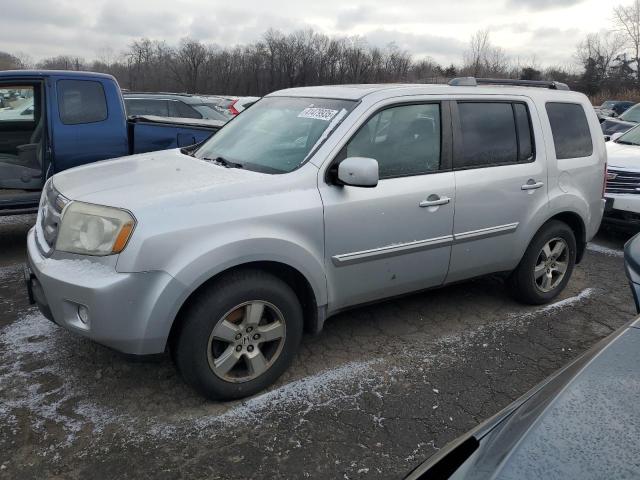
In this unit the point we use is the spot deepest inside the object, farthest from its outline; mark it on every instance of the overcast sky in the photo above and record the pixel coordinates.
(546, 29)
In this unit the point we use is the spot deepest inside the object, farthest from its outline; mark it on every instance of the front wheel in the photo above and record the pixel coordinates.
(547, 265)
(239, 335)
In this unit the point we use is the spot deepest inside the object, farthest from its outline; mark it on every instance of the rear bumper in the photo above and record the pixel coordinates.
(129, 312)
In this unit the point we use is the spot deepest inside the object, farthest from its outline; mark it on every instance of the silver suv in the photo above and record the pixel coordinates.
(313, 201)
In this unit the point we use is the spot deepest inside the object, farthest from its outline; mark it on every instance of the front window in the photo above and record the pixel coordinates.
(277, 134)
(631, 115)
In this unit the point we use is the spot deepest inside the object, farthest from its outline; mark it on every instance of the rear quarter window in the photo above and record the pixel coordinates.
(570, 129)
(81, 101)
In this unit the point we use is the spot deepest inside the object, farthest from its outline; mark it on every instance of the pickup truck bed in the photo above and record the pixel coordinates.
(60, 119)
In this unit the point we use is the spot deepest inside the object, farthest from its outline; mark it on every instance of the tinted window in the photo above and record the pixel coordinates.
(525, 145)
(139, 106)
(182, 110)
(571, 134)
(404, 140)
(81, 101)
(488, 134)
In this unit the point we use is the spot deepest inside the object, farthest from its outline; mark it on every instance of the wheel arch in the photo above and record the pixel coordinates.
(313, 311)
(575, 222)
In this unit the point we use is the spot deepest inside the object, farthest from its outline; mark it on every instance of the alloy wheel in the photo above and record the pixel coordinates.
(551, 265)
(246, 341)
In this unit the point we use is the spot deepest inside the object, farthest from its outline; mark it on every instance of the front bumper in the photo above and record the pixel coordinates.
(622, 210)
(129, 312)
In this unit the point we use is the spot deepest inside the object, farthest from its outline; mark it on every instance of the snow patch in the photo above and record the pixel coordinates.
(80, 271)
(610, 252)
(18, 219)
(309, 392)
(567, 302)
(9, 271)
(27, 341)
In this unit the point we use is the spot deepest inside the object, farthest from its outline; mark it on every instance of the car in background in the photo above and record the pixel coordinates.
(22, 111)
(234, 105)
(174, 105)
(580, 423)
(622, 191)
(613, 108)
(621, 124)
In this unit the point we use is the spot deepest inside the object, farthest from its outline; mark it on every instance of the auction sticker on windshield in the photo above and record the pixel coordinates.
(325, 114)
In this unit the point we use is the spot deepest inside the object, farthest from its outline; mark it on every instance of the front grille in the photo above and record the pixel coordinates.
(51, 205)
(620, 181)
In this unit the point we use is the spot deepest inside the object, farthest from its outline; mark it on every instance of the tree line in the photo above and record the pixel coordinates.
(607, 61)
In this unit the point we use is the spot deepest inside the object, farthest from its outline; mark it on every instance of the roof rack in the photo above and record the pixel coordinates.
(474, 82)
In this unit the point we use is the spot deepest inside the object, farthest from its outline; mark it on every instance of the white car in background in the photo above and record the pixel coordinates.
(623, 180)
(234, 105)
(23, 111)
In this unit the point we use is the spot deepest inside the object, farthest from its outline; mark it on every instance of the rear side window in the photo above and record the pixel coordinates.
(81, 101)
(525, 138)
(138, 106)
(488, 135)
(571, 134)
(182, 110)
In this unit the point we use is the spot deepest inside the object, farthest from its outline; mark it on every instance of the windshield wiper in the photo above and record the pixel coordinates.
(624, 142)
(224, 162)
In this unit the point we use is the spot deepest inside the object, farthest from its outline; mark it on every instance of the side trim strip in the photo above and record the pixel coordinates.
(390, 251)
(419, 245)
(485, 232)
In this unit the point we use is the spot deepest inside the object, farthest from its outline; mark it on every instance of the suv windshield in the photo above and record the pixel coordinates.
(632, 137)
(631, 115)
(277, 134)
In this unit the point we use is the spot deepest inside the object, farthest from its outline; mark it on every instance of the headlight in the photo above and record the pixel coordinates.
(94, 230)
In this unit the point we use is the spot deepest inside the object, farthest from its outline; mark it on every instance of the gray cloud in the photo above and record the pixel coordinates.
(543, 4)
(437, 29)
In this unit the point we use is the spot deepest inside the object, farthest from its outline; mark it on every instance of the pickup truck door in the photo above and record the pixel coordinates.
(501, 184)
(396, 237)
(88, 121)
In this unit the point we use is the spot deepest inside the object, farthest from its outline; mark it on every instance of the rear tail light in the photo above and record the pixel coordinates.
(604, 182)
(233, 109)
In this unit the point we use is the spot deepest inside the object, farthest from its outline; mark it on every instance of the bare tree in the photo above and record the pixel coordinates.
(482, 59)
(627, 20)
(602, 49)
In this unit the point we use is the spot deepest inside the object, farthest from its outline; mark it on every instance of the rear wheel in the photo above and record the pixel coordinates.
(547, 265)
(239, 335)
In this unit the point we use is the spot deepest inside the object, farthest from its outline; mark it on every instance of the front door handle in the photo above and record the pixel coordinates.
(434, 201)
(532, 185)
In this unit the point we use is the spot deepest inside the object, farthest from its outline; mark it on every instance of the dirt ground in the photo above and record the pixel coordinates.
(379, 391)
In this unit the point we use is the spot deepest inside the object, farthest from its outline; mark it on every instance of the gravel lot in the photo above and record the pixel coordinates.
(379, 391)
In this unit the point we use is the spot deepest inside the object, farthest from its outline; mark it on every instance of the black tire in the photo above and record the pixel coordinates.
(521, 281)
(191, 347)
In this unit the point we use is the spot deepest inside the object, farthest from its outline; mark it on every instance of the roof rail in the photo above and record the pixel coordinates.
(474, 82)
(135, 92)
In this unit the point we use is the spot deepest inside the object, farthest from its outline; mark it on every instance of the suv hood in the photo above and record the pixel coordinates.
(152, 178)
(623, 156)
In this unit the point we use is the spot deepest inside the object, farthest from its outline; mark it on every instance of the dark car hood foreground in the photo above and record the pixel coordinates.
(583, 422)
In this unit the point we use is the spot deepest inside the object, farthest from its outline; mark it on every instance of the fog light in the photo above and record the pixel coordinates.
(83, 314)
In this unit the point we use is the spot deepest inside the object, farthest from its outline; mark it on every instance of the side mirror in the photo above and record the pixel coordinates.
(616, 136)
(359, 172)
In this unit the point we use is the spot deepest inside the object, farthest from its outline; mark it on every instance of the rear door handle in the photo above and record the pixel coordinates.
(434, 201)
(532, 185)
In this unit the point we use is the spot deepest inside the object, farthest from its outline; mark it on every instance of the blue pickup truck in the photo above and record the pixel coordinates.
(54, 120)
